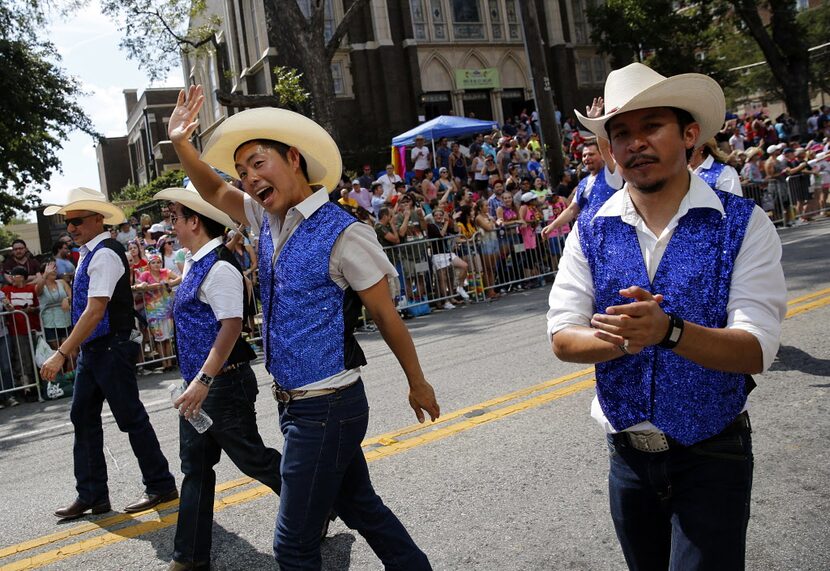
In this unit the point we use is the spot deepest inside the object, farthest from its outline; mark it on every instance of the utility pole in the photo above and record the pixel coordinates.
(542, 91)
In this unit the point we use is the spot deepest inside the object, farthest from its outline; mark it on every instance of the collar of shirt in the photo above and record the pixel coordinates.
(92, 244)
(700, 195)
(706, 164)
(206, 249)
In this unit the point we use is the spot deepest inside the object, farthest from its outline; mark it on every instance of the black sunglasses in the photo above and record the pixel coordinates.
(78, 220)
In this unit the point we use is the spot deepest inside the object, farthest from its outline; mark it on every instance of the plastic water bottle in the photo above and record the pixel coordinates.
(201, 422)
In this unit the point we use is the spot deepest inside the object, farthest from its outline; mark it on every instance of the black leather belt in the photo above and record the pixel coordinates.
(653, 441)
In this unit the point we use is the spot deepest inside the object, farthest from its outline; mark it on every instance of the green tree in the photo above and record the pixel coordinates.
(656, 33)
(38, 108)
(6, 238)
(144, 193)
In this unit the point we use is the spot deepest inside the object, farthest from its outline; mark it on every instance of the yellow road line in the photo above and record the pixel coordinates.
(391, 437)
(809, 296)
(389, 446)
(103, 523)
(475, 421)
(111, 537)
(821, 302)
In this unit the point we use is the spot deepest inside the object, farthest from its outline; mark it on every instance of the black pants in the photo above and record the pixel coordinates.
(106, 370)
(230, 404)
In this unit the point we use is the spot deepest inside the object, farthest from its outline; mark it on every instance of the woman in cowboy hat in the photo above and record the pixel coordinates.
(317, 267)
(103, 318)
(675, 291)
(214, 361)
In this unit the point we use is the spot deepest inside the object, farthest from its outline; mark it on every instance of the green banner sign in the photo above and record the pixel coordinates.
(487, 78)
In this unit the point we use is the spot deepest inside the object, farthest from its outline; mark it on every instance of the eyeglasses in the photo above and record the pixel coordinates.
(175, 217)
(78, 220)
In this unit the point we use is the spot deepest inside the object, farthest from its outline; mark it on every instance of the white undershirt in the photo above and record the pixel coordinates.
(757, 296)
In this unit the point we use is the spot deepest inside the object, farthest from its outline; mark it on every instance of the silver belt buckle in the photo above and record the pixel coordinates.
(648, 441)
(280, 394)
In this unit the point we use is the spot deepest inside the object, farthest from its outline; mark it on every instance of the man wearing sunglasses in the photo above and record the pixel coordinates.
(102, 319)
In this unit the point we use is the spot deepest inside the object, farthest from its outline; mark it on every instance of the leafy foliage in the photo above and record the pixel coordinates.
(289, 88)
(38, 109)
(144, 193)
(6, 238)
(156, 32)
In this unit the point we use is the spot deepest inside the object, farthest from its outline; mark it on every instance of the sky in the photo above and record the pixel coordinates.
(88, 45)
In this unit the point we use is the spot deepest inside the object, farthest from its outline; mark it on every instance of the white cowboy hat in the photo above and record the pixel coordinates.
(314, 143)
(82, 198)
(190, 197)
(637, 86)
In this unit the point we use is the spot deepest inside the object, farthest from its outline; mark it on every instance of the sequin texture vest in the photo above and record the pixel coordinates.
(119, 315)
(686, 401)
(711, 174)
(196, 324)
(310, 319)
(600, 192)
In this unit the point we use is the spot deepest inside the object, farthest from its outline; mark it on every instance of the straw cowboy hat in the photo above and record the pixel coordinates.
(82, 198)
(190, 197)
(314, 143)
(637, 86)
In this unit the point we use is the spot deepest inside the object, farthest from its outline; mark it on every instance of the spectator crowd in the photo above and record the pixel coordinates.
(464, 223)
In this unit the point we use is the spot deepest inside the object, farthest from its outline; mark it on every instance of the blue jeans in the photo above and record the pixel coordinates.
(106, 370)
(323, 468)
(231, 405)
(686, 508)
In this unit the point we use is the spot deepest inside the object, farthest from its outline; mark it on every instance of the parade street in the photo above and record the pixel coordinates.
(513, 476)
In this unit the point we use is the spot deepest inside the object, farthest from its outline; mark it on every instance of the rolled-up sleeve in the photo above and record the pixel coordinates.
(758, 292)
(571, 300)
(358, 260)
(104, 270)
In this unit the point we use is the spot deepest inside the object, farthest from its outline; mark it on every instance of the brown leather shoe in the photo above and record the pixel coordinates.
(78, 508)
(148, 501)
(200, 566)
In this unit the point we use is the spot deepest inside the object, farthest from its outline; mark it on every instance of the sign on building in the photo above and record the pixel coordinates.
(486, 78)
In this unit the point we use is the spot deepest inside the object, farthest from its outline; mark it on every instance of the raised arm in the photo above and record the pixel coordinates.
(211, 186)
(594, 111)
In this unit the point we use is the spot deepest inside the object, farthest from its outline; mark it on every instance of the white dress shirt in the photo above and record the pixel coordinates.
(757, 295)
(104, 269)
(357, 259)
(612, 179)
(728, 179)
(222, 289)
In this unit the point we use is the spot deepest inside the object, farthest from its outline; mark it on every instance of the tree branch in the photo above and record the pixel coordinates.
(748, 12)
(340, 31)
(241, 101)
(177, 37)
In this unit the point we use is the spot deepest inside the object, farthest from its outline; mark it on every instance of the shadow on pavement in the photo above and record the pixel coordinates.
(794, 359)
(337, 552)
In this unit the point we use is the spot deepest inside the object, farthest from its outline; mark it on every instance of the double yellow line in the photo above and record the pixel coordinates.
(120, 527)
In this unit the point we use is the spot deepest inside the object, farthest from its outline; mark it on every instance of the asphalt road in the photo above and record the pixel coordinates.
(514, 477)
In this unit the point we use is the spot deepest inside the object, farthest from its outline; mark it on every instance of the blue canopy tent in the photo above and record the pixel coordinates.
(444, 126)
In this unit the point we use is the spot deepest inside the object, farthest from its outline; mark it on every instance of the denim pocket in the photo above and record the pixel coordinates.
(731, 447)
(352, 431)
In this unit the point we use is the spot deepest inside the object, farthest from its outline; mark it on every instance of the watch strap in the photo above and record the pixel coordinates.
(205, 379)
(674, 333)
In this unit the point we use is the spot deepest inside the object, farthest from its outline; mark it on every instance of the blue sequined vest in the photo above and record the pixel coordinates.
(265, 272)
(686, 401)
(711, 175)
(119, 315)
(310, 319)
(600, 192)
(196, 324)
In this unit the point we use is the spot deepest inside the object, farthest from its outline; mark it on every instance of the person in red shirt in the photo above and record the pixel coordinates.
(22, 297)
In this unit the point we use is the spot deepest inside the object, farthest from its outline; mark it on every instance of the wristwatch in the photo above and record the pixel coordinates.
(674, 333)
(205, 379)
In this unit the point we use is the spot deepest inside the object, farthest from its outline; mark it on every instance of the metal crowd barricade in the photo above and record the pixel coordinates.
(72, 357)
(798, 189)
(497, 261)
(18, 370)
